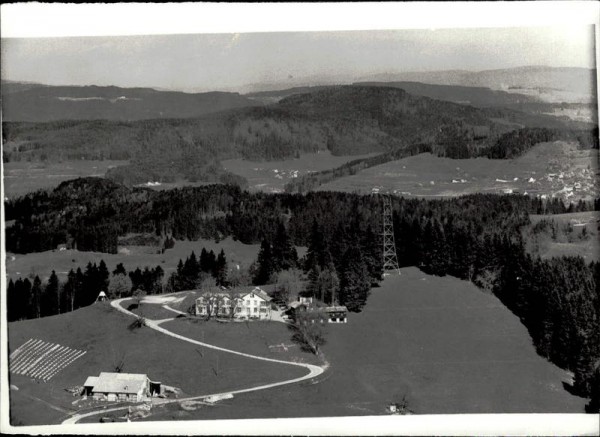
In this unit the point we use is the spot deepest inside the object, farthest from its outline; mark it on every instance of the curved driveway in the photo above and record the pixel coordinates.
(313, 371)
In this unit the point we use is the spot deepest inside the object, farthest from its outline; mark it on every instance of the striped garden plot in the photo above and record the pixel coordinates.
(42, 360)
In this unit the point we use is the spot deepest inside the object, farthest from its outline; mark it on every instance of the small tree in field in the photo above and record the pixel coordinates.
(138, 296)
(309, 330)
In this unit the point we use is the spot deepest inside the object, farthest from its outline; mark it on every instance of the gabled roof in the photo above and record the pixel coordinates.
(333, 309)
(91, 381)
(213, 294)
(258, 292)
(130, 383)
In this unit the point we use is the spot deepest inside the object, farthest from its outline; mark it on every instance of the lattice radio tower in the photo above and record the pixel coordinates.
(390, 259)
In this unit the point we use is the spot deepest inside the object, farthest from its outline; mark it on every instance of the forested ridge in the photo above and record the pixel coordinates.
(346, 120)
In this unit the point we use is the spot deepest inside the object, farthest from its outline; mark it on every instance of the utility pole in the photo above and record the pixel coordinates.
(390, 259)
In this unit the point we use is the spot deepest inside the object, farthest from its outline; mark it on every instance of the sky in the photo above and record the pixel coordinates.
(234, 62)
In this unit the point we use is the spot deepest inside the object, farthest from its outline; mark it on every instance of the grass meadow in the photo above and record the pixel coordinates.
(441, 342)
(42, 263)
(105, 334)
(537, 173)
(271, 176)
(570, 240)
(24, 177)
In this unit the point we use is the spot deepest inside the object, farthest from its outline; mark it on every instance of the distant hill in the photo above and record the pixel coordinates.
(548, 83)
(40, 103)
(468, 95)
(481, 97)
(346, 120)
(276, 95)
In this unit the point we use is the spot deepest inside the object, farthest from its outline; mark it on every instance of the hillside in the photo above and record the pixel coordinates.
(37, 103)
(103, 333)
(347, 120)
(441, 342)
(469, 95)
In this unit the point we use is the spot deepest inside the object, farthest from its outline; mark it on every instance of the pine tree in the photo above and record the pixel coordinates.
(23, 296)
(103, 276)
(371, 247)
(265, 266)
(354, 280)
(220, 269)
(119, 270)
(36, 298)
(317, 253)
(190, 272)
(78, 289)
(205, 264)
(12, 311)
(284, 253)
(51, 296)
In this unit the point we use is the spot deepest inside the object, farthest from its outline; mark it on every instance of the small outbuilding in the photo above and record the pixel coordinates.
(102, 297)
(113, 387)
(337, 314)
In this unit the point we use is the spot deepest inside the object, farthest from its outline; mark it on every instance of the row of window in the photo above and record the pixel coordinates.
(227, 309)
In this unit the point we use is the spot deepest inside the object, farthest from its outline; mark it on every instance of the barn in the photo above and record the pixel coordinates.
(112, 387)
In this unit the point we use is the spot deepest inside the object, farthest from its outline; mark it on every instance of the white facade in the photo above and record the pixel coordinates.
(251, 305)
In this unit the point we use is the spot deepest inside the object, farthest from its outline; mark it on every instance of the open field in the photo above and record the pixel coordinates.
(160, 186)
(24, 177)
(42, 263)
(552, 169)
(103, 332)
(266, 338)
(576, 235)
(271, 176)
(440, 341)
(270, 339)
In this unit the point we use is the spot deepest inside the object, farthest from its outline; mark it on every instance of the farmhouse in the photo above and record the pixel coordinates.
(112, 387)
(255, 304)
(337, 314)
(318, 311)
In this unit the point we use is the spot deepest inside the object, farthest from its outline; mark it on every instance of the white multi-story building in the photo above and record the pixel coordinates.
(254, 304)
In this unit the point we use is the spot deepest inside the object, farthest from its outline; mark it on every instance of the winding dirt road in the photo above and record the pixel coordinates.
(313, 370)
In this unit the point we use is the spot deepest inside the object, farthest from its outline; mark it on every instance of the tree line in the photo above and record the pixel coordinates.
(99, 207)
(191, 273)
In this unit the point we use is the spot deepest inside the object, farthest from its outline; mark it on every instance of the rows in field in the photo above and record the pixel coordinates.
(42, 360)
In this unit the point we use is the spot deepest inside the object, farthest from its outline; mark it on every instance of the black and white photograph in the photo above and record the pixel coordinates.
(334, 230)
